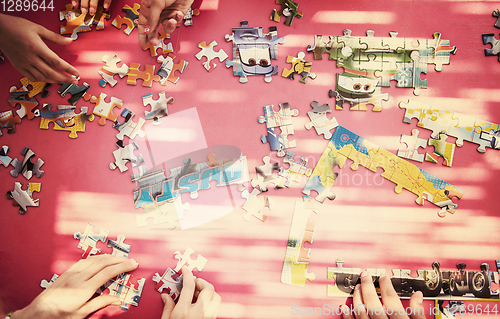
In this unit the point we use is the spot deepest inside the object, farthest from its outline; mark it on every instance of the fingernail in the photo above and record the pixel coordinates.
(357, 287)
(420, 296)
(147, 29)
(92, 11)
(364, 273)
(133, 262)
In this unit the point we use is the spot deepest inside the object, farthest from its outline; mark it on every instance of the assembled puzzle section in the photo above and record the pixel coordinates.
(296, 171)
(76, 22)
(345, 279)
(441, 149)
(371, 63)
(296, 264)
(253, 51)
(281, 120)
(462, 127)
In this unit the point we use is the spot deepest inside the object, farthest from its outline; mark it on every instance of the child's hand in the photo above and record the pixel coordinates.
(22, 42)
(90, 6)
(198, 300)
(366, 303)
(154, 13)
(68, 296)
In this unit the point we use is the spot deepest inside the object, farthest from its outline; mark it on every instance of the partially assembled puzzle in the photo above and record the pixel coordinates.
(437, 284)
(345, 144)
(253, 51)
(171, 280)
(281, 120)
(371, 63)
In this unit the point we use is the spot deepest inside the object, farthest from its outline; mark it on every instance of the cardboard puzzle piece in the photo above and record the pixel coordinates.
(27, 167)
(2, 58)
(300, 67)
(208, 52)
(288, 10)
(283, 120)
(253, 206)
(122, 287)
(164, 47)
(168, 68)
(88, 240)
(24, 198)
(462, 127)
(120, 249)
(185, 259)
(159, 107)
(125, 154)
(33, 88)
(130, 20)
(76, 22)
(253, 51)
(4, 158)
(27, 106)
(345, 279)
(65, 119)
(170, 281)
(296, 170)
(110, 69)
(188, 17)
(279, 118)
(450, 311)
(128, 127)
(46, 284)
(441, 149)
(166, 212)
(8, 120)
(265, 175)
(409, 146)
(76, 91)
(489, 38)
(104, 109)
(296, 264)
(320, 121)
(496, 14)
(147, 76)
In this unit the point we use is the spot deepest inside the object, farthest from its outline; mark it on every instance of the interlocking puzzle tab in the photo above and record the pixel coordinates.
(320, 120)
(89, 239)
(434, 284)
(130, 20)
(296, 264)
(300, 67)
(461, 126)
(168, 68)
(110, 69)
(496, 14)
(253, 51)
(104, 109)
(254, 206)
(288, 10)
(24, 198)
(120, 249)
(208, 52)
(346, 144)
(65, 119)
(489, 38)
(159, 107)
(27, 167)
(76, 22)
(371, 63)
(409, 146)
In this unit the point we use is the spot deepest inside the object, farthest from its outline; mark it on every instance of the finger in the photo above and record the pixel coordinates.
(346, 312)
(84, 6)
(370, 297)
(205, 296)
(188, 287)
(106, 4)
(93, 6)
(154, 14)
(142, 23)
(213, 307)
(359, 308)
(49, 68)
(394, 307)
(75, 4)
(169, 25)
(168, 305)
(99, 303)
(416, 305)
(102, 269)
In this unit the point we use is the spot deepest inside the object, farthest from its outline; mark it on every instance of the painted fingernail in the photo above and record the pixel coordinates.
(147, 29)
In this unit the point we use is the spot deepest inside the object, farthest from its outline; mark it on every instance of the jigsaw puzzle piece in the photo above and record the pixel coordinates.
(33, 87)
(159, 107)
(130, 20)
(359, 91)
(4, 158)
(24, 198)
(147, 76)
(441, 149)
(278, 118)
(168, 68)
(296, 264)
(188, 17)
(27, 106)
(46, 284)
(165, 47)
(170, 281)
(77, 22)
(185, 259)
(9, 121)
(110, 69)
(253, 206)
(65, 119)
(88, 240)
(208, 52)
(76, 91)
(125, 154)
(344, 279)
(104, 109)
(129, 127)
(288, 10)
(320, 121)
(27, 167)
(265, 175)
(299, 67)
(296, 170)
(122, 287)
(409, 146)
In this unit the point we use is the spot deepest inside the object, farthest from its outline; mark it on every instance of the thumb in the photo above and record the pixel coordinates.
(168, 306)
(54, 37)
(416, 304)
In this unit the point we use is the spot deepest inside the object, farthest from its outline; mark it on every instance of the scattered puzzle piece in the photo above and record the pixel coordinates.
(108, 71)
(489, 38)
(36, 87)
(119, 248)
(129, 127)
(125, 154)
(4, 159)
(27, 167)
(253, 51)
(170, 281)
(168, 68)
(104, 109)
(185, 259)
(147, 76)
(19, 97)
(188, 17)
(76, 22)
(24, 198)
(496, 14)
(208, 52)
(265, 175)
(65, 119)
(441, 149)
(288, 10)
(412, 143)
(296, 264)
(89, 239)
(159, 107)
(320, 121)
(165, 47)
(122, 287)
(77, 92)
(8, 121)
(254, 206)
(299, 67)
(130, 20)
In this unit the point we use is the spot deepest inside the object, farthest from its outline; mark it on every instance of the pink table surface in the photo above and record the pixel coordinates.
(368, 225)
